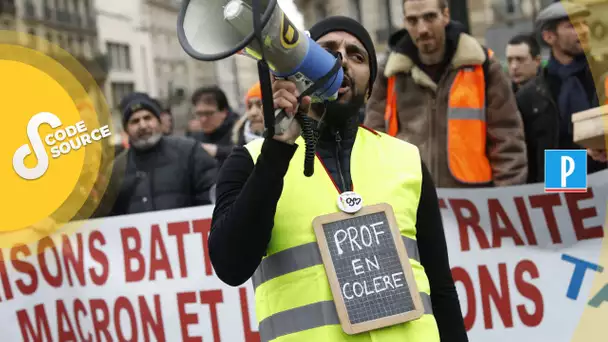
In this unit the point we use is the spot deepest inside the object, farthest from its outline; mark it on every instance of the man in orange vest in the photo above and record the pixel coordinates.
(442, 91)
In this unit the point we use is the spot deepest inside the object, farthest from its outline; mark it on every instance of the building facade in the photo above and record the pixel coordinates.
(379, 17)
(128, 51)
(55, 27)
(492, 22)
(129, 46)
(176, 74)
(69, 25)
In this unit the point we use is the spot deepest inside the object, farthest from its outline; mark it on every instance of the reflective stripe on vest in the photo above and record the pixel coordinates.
(466, 125)
(310, 317)
(292, 293)
(303, 256)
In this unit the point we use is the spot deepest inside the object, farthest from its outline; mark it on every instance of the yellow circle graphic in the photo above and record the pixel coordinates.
(56, 149)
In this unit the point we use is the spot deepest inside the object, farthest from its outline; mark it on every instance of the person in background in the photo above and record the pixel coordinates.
(265, 208)
(217, 120)
(523, 59)
(166, 118)
(442, 91)
(156, 172)
(251, 125)
(194, 127)
(570, 83)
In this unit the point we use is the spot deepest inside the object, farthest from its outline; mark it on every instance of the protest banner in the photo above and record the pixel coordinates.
(144, 277)
(524, 262)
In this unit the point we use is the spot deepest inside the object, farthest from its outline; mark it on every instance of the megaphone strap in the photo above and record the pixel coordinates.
(309, 133)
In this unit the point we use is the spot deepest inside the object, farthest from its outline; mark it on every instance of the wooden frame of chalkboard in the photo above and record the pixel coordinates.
(341, 307)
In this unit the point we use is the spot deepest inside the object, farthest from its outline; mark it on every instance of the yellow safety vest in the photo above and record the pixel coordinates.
(292, 295)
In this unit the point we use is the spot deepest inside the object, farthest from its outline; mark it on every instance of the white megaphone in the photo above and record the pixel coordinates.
(210, 30)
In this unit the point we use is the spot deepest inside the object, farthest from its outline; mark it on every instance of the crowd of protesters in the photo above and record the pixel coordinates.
(434, 76)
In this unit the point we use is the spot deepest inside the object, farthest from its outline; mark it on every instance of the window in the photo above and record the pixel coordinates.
(127, 57)
(119, 91)
(510, 6)
(75, 16)
(120, 56)
(30, 10)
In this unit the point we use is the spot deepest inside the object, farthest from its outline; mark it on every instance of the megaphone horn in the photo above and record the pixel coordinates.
(210, 30)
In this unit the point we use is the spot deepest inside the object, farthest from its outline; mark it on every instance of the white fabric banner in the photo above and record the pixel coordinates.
(523, 259)
(523, 262)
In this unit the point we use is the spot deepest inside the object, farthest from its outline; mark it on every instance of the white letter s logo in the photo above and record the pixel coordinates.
(22, 152)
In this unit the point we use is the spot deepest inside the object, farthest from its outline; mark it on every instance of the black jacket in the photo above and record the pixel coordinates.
(247, 197)
(222, 137)
(538, 106)
(176, 173)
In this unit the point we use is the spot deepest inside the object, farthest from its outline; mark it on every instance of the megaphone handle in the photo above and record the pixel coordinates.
(282, 121)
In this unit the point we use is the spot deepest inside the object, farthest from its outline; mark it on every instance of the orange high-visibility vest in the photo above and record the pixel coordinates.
(466, 142)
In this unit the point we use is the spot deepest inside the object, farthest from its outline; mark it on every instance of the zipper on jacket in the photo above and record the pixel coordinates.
(339, 162)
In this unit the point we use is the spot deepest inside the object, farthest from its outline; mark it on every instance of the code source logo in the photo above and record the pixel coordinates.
(565, 171)
(56, 155)
(77, 135)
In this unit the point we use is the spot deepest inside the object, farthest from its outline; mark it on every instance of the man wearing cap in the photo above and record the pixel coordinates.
(570, 83)
(262, 222)
(441, 90)
(157, 172)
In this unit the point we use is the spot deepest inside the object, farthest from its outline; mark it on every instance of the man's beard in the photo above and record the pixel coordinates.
(146, 143)
(336, 113)
(574, 50)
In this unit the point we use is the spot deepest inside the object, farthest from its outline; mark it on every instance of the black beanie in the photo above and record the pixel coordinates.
(138, 101)
(346, 24)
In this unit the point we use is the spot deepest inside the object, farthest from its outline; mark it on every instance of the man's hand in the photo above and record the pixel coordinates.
(598, 155)
(285, 96)
(211, 149)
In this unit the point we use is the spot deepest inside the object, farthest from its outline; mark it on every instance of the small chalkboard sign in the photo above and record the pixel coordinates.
(369, 272)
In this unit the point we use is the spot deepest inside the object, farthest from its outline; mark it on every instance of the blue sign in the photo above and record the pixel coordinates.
(565, 171)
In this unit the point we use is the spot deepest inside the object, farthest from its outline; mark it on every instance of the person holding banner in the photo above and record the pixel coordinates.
(261, 224)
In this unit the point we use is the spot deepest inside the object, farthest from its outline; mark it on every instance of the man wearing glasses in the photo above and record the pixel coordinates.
(216, 121)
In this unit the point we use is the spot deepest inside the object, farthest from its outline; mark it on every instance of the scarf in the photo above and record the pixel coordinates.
(572, 95)
(248, 134)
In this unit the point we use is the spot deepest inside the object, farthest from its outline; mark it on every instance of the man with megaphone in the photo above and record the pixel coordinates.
(265, 205)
